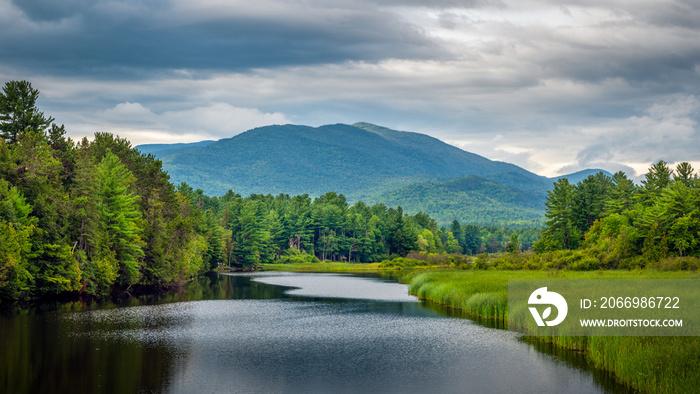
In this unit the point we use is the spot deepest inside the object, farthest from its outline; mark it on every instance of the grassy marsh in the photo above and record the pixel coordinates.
(651, 364)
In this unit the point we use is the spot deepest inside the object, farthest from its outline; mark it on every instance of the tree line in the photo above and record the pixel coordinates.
(624, 224)
(258, 229)
(86, 216)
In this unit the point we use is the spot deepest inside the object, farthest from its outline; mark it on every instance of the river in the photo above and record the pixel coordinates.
(277, 332)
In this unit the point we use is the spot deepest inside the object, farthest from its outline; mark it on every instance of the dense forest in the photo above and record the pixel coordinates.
(263, 228)
(85, 216)
(624, 225)
(473, 199)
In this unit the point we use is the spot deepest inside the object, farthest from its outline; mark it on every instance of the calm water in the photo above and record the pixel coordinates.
(276, 332)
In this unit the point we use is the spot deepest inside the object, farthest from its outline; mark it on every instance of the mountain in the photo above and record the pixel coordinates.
(577, 177)
(364, 162)
(165, 149)
(360, 160)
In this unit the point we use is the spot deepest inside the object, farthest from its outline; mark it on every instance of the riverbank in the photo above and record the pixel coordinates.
(342, 267)
(322, 267)
(650, 364)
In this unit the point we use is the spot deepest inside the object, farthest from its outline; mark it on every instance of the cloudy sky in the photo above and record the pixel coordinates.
(554, 86)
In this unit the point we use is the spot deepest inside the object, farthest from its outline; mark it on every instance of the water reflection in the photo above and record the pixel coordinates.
(337, 286)
(232, 333)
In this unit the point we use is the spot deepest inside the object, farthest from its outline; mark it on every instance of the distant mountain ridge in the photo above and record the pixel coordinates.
(363, 161)
(164, 149)
(577, 177)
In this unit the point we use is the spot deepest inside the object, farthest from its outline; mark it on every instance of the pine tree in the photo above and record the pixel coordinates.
(97, 262)
(472, 239)
(655, 180)
(560, 232)
(251, 240)
(684, 173)
(588, 200)
(18, 111)
(120, 217)
(621, 194)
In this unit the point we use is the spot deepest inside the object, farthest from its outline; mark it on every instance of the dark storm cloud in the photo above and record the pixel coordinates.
(50, 10)
(79, 37)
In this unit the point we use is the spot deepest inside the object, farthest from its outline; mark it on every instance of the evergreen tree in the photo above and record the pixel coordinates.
(96, 260)
(18, 111)
(655, 180)
(621, 194)
(120, 218)
(472, 239)
(457, 232)
(250, 238)
(684, 173)
(560, 232)
(16, 229)
(588, 201)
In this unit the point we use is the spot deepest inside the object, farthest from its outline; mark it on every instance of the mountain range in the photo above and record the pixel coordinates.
(364, 162)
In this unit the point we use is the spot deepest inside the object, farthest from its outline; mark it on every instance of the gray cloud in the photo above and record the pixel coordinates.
(550, 85)
(80, 37)
(49, 10)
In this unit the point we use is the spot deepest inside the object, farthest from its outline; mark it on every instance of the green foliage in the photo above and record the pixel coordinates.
(15, 279)
(624, 225)
(56, 270)
(657, 179)
(293, 256)
(251, 239)
(364, 162)
(402, 262)
(560, 232)
(472, 199)
(588, 201)
(361, 161)
(513, 245)
(260, 229)
(18, 111)
(120, 217)
(85, 217)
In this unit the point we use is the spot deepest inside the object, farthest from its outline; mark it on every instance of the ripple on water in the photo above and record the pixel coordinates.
(338, 286)
(328, 346)
(336, 333)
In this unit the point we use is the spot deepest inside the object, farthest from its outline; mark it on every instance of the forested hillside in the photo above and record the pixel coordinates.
(361, 161)
(472, 199)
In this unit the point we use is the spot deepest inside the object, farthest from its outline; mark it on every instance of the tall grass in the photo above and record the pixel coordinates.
(651, 364)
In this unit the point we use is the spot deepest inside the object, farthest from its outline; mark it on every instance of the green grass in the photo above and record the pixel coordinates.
(651, 364)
